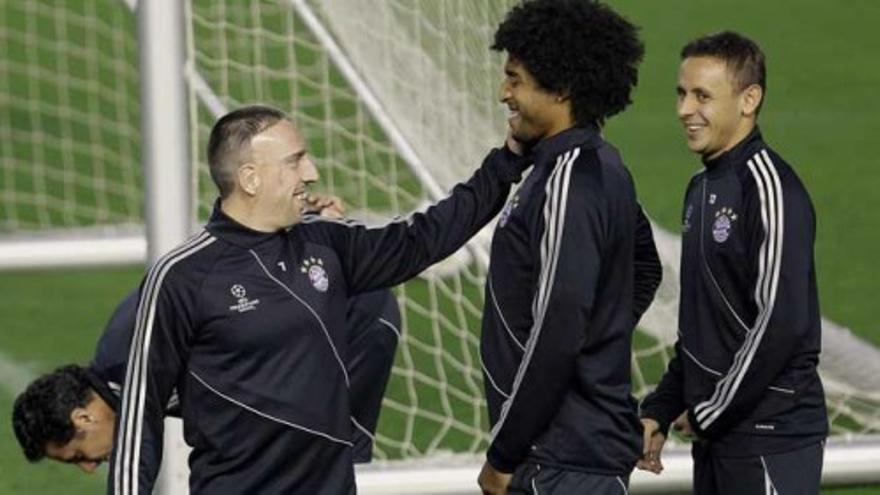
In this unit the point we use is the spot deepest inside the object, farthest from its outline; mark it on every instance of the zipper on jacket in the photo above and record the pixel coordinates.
(745, 328)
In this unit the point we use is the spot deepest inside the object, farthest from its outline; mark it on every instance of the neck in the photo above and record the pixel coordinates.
(741, 133)
(100, 408)
(562, 124)
(244, 211)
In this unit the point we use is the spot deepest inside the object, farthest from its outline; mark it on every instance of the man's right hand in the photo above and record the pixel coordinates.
(653, 447)
(326, 205)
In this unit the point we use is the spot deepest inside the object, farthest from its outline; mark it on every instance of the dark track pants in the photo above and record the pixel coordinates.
(534, 479)
(797, 473)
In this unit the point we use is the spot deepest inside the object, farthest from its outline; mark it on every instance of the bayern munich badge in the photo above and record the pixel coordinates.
(724, 219)
(314, 268)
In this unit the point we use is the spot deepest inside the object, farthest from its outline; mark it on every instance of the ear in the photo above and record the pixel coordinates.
(80, 417)
(249, 179)
(750, 100)
(562, 95)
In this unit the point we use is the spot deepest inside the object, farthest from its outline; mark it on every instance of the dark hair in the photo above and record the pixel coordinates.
(41, 413)
(231, 138)
(743, 57)
(579, 47)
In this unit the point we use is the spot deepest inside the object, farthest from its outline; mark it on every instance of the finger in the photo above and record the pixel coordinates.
(649, 465)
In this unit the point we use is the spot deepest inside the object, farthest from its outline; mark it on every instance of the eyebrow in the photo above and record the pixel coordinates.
(696, 89)
(295, 157)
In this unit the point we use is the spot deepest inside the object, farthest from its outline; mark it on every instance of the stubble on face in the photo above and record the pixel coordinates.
(280, 151)
(534, 113)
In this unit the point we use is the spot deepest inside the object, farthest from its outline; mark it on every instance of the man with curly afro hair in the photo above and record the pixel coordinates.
(573, 263)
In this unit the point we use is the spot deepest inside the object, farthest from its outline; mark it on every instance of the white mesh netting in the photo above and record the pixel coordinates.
(69, 130)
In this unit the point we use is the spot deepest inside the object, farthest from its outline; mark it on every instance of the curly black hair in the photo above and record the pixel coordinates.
(41, 413)
(578, 47)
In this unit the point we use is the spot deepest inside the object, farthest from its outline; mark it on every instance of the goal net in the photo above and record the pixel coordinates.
(69, 132)
(397, 101)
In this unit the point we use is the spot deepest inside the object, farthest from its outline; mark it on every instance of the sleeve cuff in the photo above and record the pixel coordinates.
(695, 425)
(663, 420)
(500, 462)
(663, 425)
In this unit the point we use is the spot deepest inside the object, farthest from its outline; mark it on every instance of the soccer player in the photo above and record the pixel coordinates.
(744, 370)
(247, 318)
(68, 415)
(563, 294)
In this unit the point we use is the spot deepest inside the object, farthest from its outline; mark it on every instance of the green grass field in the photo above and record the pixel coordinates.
(820, 112)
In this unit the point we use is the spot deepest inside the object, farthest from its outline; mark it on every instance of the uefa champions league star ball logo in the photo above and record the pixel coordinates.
(314, 268)
(724, 219)
(238, 291)
(242, 304)
(508, 210)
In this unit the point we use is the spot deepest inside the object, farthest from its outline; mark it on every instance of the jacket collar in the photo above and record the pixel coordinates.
(588, 137)
(735, 156)
(102, 388)
(225, 227)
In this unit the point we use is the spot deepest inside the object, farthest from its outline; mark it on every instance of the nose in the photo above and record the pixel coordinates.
(88, 466)
(310, 171)
(504, 92)
(684, 107)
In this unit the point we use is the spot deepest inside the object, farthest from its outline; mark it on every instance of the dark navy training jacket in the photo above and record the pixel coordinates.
(373, 324)
(561, 307)
(749, 322)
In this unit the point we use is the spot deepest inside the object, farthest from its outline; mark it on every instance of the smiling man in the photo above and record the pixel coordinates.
(743, 382)
(247, 318)
(573, 263)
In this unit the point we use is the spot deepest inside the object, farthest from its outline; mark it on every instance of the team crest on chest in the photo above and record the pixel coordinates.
(243, 304)
(314, 268)
(724, 219)
(508, 210)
